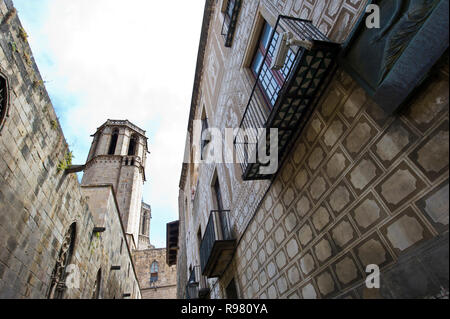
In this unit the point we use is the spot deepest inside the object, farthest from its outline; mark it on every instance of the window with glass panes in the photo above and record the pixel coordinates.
(269, 81)
(154, 272)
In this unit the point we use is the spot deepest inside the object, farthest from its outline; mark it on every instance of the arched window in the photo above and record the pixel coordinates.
(154, 272)
(58, 279)
(97, 285)
(132, 146)
(4, 99)
(113, 144)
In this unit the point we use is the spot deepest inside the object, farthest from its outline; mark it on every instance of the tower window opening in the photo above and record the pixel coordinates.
(132, 147)
(113, 144)
(144, 224)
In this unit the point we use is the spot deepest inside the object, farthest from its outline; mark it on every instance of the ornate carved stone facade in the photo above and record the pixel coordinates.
(359, 186)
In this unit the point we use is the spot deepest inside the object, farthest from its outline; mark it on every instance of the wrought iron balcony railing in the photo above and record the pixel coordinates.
(231, 15)
(197, 286)
(218, 244)
(285, 100)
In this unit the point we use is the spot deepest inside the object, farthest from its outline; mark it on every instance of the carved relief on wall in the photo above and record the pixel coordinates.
(389, 62)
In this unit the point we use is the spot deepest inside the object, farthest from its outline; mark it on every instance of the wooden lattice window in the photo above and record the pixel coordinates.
(4, 99)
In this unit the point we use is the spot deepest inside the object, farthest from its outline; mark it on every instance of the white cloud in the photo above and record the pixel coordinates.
(130, 60)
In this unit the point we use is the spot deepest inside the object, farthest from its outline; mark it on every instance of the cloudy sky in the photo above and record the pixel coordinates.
(110, 59)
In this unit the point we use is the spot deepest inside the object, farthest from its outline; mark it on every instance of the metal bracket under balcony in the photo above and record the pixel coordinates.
(218, 244)
(289, 102)
(197, 286)
(231, 15)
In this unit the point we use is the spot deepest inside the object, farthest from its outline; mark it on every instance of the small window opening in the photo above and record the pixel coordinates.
(113, 144)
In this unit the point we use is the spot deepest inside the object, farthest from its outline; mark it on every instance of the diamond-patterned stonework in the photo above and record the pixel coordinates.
(305, 234)
(292, 248)
(301, 179)
(354, 103)
(340, 198)
(336, 165)
(303, 206)
(331, 102)
(333, 134)
(401, 185)
(270, 247)
(343, 233)
(316, 158)
(318, 187)
(359, 137)
(300, 153)
(436, 207)
(325, 283)
(432, 155)
(288, 197)
(307, 264)
(405, 231)
(308, 292)
(346, 270)
(321, 218)
(368, 212)
(281, 260)
(396, 139)
(279, 235)
(372, 252)
(291, 221)
(363, 174)
(278, 211)
(314, 130)
(294, 275)
(323, 250)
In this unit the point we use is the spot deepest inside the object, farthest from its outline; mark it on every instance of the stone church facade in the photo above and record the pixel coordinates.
(60, 238)
(358, 186)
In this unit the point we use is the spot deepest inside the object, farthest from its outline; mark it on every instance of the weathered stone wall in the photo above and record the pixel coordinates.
(166, 285)
(359, 186)
(38, 203)
(182, 268)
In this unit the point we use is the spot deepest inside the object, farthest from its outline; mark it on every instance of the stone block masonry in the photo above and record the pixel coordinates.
(39, 203)
(165, 287)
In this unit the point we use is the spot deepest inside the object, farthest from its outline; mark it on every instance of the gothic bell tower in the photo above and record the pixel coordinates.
(117, 156)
